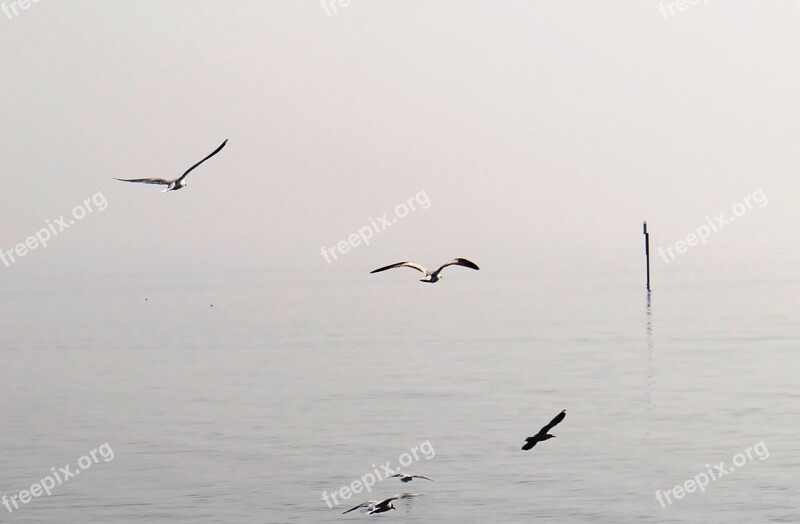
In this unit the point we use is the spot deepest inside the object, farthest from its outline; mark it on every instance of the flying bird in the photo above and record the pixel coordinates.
(405, 477)
(174, 184)
(369, 505)
(543, 433)
(374, 506)
(431, 277)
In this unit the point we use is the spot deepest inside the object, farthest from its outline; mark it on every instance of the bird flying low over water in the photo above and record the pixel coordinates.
(431, 277)
(174, 184)
(374, 506)
(543, 433)
(405, 477)
(368, 505)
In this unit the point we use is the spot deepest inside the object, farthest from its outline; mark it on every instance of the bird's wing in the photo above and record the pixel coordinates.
(553, 423)
(159, 181)
(529, 443)
(458, 262)
(418, 267)
(409, 495)
(217, 150)
(362, 505)
(421, 477)
(385, 502)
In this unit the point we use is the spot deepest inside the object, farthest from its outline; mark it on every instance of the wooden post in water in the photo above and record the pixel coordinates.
(647, 254)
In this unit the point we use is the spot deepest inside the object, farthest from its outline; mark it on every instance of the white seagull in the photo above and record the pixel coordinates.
(431, 277)
(368, 506)
(177, 183)
(405, 477)
(374, 506)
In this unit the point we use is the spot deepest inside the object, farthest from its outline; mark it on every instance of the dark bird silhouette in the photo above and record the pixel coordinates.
(431, 277)
(174, 184)
(543, 433)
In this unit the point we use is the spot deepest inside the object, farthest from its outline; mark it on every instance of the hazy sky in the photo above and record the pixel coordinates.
(542, 132)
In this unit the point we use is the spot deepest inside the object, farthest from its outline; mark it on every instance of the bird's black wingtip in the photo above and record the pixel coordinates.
(468, 263)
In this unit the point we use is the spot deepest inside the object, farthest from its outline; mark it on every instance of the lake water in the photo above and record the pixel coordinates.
(297, 382)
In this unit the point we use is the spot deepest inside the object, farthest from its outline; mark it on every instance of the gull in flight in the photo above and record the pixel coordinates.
(543, 433)
(174, 184)
(431, 277)
(405, 477)
(375, 506)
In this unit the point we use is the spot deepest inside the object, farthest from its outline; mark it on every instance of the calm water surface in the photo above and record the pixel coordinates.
(297, 382)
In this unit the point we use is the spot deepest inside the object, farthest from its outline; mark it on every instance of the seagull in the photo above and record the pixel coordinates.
(374, 506)
(369, 505)
(543, 433)
(405, 477)
(431, 277)
(177, 183)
